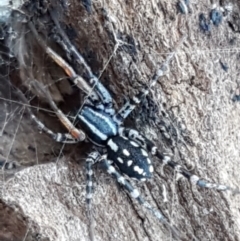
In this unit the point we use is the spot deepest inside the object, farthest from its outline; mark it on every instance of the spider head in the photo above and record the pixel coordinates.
(131, 159)
(97, 124)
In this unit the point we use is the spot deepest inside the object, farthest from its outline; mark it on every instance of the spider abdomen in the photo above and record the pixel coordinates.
(98, 125)
(130, 158)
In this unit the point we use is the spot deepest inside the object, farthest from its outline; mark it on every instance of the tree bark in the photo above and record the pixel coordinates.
(196, 102)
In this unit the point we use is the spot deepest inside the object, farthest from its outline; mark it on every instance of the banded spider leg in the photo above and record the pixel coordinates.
(95, 157)
(148, 145)
(74, 77)
(75, 135)
(130, 105)
(126, 149)
(106, 101)
(166, 160)
(92, 80)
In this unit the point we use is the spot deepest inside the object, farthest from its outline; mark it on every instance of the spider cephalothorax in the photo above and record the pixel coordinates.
(128, 152)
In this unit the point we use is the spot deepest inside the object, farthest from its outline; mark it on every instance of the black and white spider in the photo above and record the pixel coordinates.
(127, 152)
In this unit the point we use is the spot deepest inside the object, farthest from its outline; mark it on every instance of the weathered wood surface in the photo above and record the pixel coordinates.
(194, 102)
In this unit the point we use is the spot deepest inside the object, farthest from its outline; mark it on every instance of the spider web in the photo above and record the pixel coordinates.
(198, 103)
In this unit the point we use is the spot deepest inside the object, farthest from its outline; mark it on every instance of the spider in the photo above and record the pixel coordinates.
(127, 152)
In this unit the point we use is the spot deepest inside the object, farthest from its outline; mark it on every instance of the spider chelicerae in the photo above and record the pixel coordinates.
(126, 152)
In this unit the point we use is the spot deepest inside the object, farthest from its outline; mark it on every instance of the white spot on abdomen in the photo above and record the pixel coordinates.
(138, 169)
(151, 168)
(148, 161)
(144, 153)
(134, 144)
(126, 152)
(129, 163)
(113, 145)
(120, 159)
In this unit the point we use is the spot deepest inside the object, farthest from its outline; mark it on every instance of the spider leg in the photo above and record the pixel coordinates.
(136, 195)
(90, 161)
(9, 168)
(129, 106)
(74, 134)
(150, 146)
(74, 77)
(94, 82)
(73, 131)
